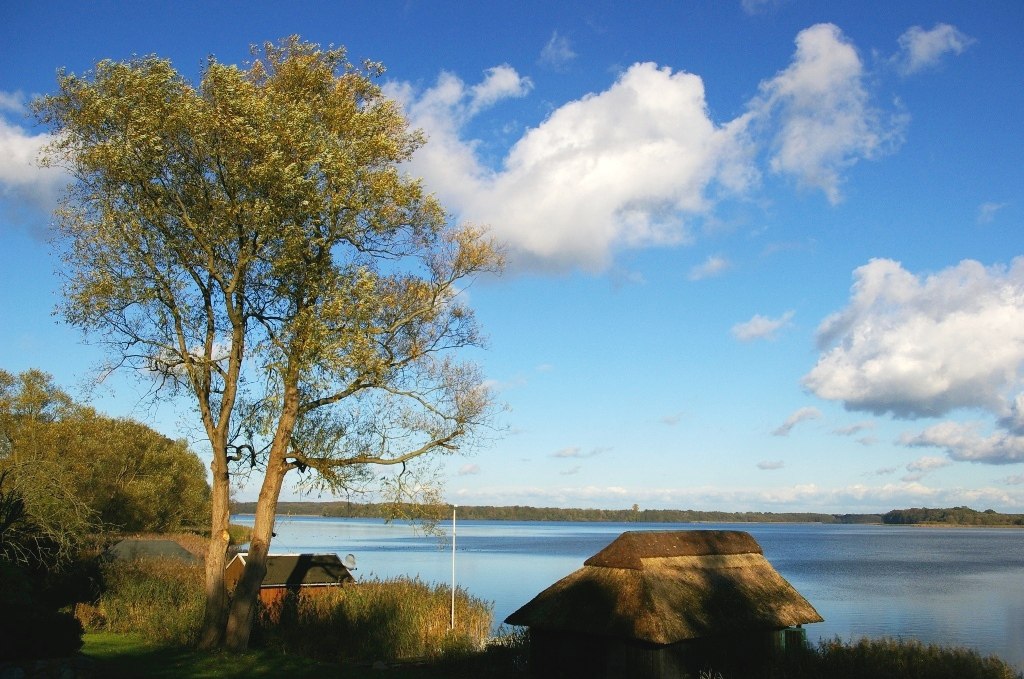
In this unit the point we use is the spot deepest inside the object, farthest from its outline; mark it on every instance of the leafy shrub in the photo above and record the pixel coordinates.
(393, 619)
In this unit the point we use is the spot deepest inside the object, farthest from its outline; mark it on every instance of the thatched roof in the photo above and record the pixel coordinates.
(139, 548)
(285, 570)
(668, 586)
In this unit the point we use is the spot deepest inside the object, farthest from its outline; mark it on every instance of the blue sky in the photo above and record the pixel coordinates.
(763, 254)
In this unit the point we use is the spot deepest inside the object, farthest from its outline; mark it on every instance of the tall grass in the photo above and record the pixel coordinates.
(160, 599)
(905, 659)
(877, 659)
(394, 619)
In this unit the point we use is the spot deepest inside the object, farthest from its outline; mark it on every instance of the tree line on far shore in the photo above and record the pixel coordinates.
(955, 516)
(343, 509)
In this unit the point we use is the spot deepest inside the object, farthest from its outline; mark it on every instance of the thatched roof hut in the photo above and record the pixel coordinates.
(655, 591)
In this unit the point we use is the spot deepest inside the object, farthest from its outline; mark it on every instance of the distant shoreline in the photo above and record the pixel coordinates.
(925, 517)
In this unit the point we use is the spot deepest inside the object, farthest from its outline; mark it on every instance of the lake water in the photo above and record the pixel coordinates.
(952, 586)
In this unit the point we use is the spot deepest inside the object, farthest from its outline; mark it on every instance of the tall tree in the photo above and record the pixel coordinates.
(252, 241)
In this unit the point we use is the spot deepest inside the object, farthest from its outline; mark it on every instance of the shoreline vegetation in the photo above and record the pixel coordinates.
(954, 516)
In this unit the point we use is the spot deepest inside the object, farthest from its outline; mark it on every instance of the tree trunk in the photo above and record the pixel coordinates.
(244, 601)
(216, 612)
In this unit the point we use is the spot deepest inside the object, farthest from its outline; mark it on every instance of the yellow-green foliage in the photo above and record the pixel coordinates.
(160, 599)
(239, 534)
(378, 620)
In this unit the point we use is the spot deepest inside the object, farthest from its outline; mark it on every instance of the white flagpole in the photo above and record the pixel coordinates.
(454, 507)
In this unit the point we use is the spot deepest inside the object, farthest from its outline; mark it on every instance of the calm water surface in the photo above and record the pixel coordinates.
(943, 585)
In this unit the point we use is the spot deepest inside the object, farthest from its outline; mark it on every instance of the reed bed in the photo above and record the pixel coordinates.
(160, 599)
(395, 619)
(883, 658)
(398, 619)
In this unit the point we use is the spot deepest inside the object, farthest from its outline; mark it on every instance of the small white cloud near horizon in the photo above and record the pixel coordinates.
(770, 465)
(801, 415)
(856, 497)
(963, 441)
(761, 327)
(673, 419)
(714, 265)
(921, 49)
(469, 469)
(927, 464)
(923, 466)
(557, 54)
(579, 453)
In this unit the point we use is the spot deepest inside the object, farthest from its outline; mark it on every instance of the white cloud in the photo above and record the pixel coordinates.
(12, 101)
(771, 464)
(673, 419)
(964, 441)
(557, 53)
(852, 429)
(987, 212)
(24, 185)
(921, 49)
(801, 415)
(825, 120)
(927, 464)
(642, 164)
(753, 7)
(710, 267)
(761, 327)
(802, 497)
(469, 469)
(629, 167)
(577, 452)
(919, 346)
(501, 82)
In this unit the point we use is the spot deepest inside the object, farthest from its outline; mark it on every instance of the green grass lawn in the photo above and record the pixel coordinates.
(128, 656)
(123, 655)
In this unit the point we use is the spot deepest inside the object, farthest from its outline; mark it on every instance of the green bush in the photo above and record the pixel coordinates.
(160, 599)
(394, 619)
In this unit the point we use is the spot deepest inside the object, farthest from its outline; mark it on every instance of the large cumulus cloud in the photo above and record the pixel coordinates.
(642, 163)
(921, 346)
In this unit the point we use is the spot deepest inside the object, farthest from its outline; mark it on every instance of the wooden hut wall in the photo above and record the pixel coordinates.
(562, 655)
(559, 655)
